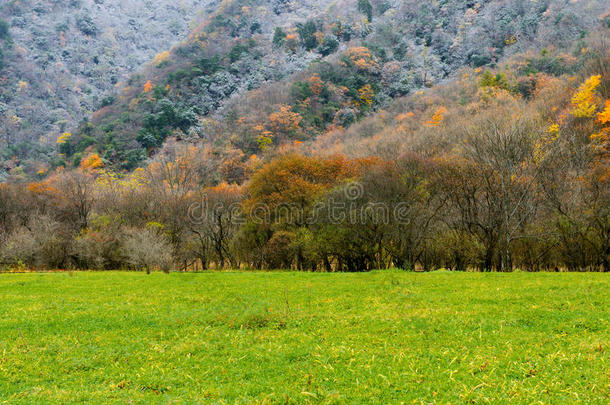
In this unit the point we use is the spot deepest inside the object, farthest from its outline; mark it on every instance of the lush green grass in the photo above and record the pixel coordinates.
(384, 337)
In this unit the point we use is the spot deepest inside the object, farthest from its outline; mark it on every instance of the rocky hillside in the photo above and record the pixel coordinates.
(61, 57)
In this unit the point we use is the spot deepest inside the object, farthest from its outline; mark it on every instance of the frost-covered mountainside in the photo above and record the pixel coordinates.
(250, 75)
(61, 56)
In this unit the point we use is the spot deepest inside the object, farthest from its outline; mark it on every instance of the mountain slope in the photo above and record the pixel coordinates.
(316, 65)
(62, 57)
(256, 74)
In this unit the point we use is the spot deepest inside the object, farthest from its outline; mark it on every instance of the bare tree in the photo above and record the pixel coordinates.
(146, 249)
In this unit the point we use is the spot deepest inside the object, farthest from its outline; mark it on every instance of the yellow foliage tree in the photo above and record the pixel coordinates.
(22, 85)
(63, 138)
(161, 58)
(553, 129)
(584, 102)
(264, 140)
(121, 183)
(546, 140)
(366, 94)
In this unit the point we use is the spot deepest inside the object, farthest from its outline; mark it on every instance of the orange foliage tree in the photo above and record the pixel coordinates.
(292, 42)
(316, 84)
(92, 162)
(148, 86)
(296, 181)
(360, 57)
(601, 139)
(285, 121)
(437, 118)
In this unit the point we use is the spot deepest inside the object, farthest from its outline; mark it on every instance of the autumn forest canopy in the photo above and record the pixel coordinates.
(470, 136)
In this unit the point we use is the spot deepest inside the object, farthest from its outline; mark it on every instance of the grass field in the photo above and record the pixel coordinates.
(383, 337)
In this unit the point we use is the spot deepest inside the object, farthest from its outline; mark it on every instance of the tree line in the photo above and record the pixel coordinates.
(513, 194)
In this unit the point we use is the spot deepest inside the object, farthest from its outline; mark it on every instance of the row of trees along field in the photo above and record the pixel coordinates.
(521, 183)
(493, 171)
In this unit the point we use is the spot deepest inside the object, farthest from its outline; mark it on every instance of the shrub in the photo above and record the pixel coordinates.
(480, 60)
(490, 80)
(209, 66)
(306, 33)
(4, 30)
(147, 249)
(365, 7)
(39, 245)
(108, 100)
(86, 25)
(99, 246)
(279, 37)
(255, 27)
(329, 45)
(237, 51)
(279, 251)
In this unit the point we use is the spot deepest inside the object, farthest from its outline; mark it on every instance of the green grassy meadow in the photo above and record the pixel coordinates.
(383, 337)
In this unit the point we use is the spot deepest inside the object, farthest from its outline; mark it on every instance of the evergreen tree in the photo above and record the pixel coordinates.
(279, 37)
(365, 7)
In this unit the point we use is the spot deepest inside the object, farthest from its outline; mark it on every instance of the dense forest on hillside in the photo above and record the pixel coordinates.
(338, 136)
